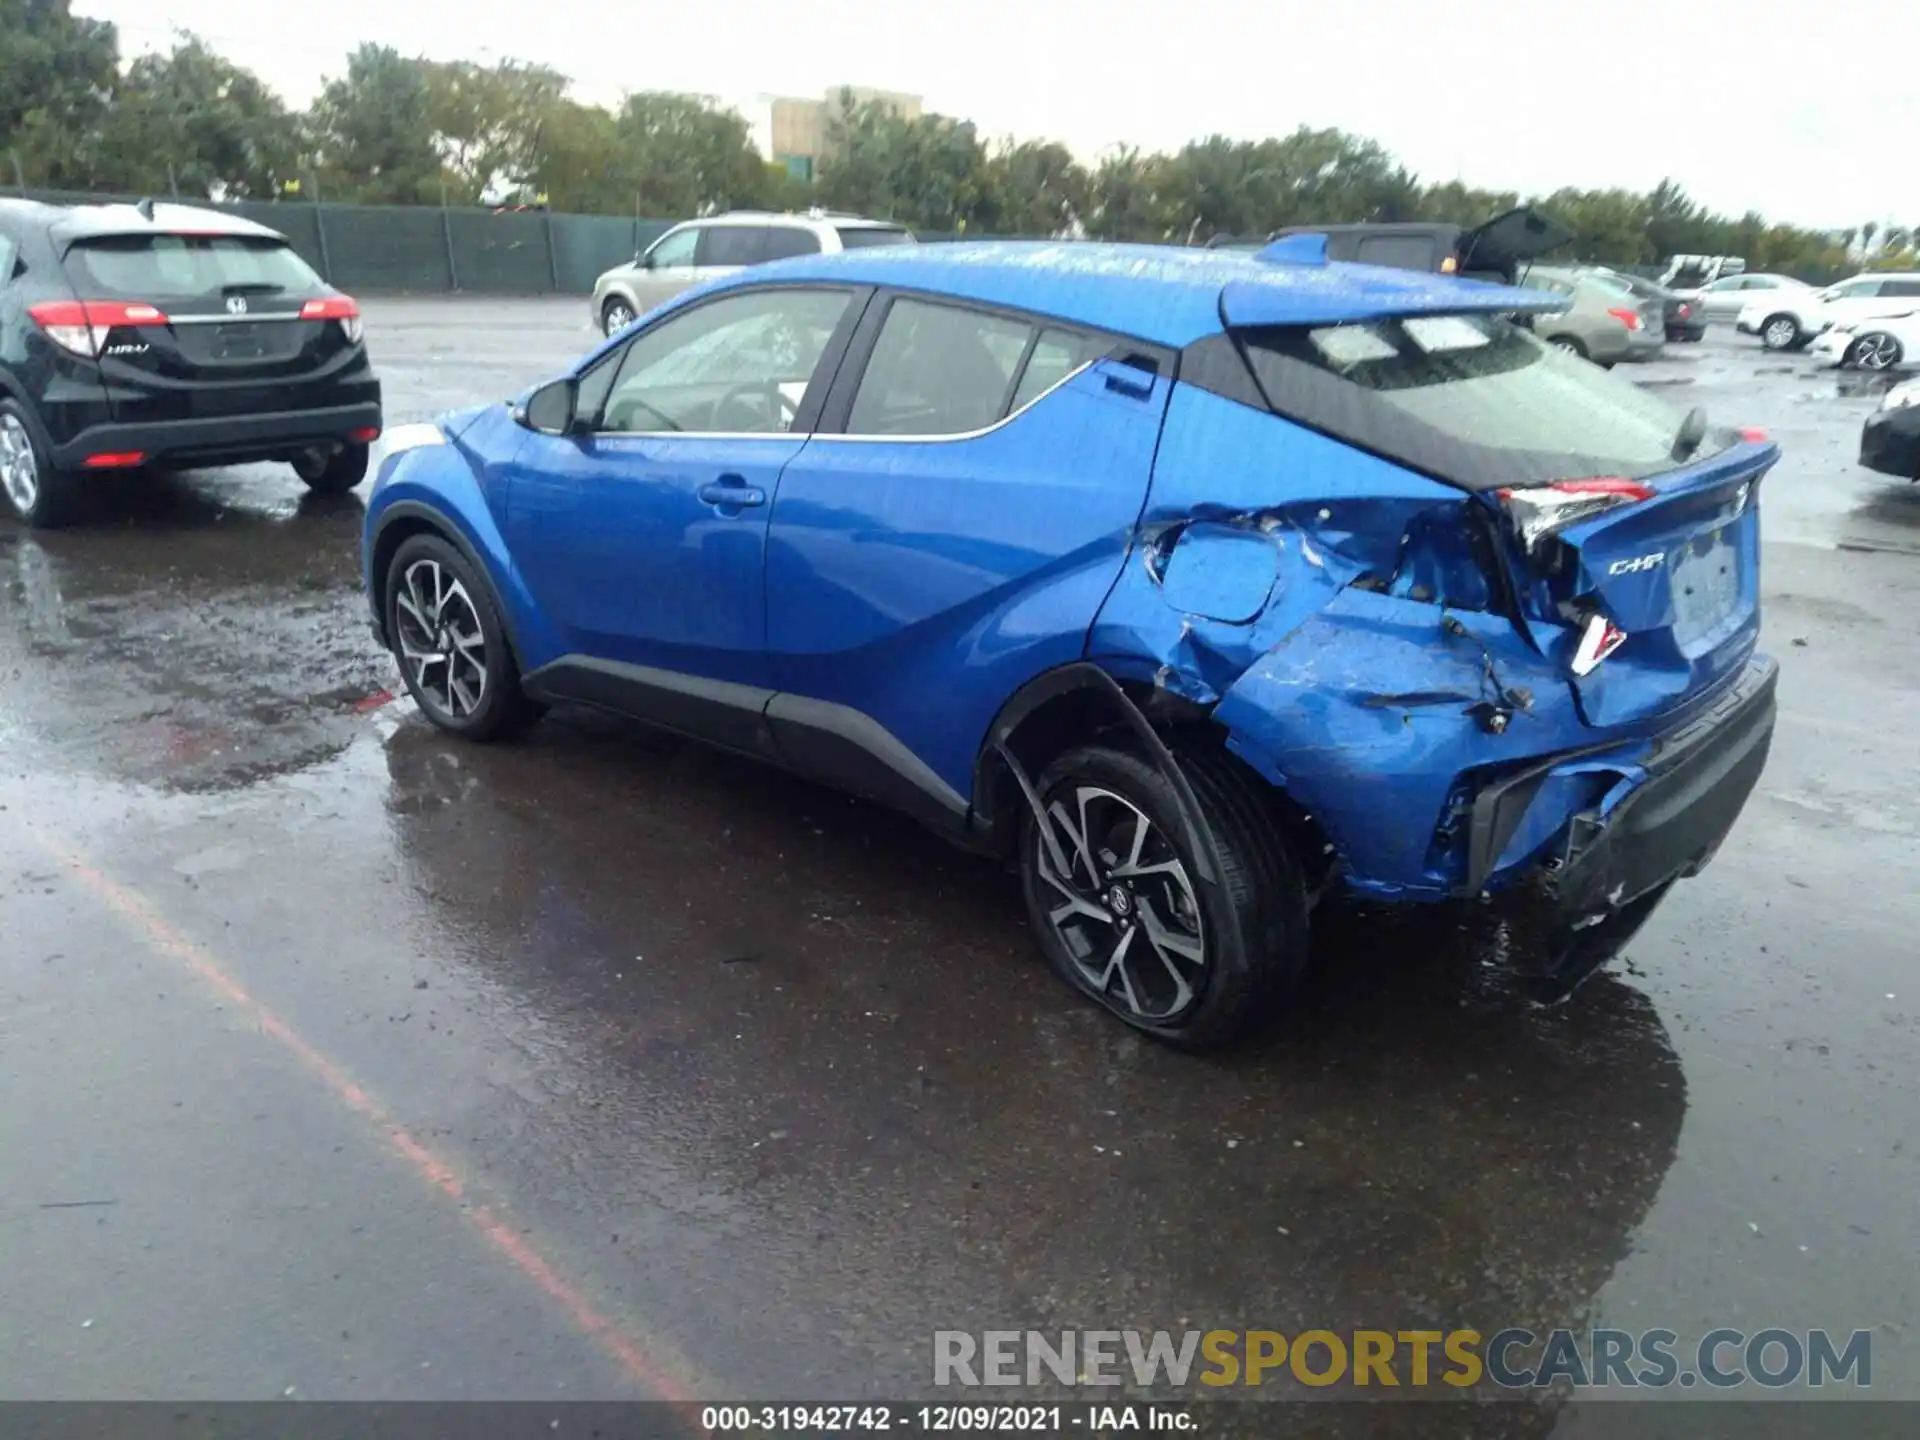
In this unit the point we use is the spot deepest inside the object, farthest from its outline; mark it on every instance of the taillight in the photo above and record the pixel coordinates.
(1539, 511)
(1685, 310)
(1628, 318)
(336, 307)
(82, 326)
(1753, 435)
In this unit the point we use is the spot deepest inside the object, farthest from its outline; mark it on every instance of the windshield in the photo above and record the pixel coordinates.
(1471, 399)
(177, 267)
(858, 237)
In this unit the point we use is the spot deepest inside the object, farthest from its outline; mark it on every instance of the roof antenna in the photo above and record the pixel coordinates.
(145, 207)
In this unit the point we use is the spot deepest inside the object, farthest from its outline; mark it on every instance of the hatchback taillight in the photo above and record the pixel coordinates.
(336, 307)
(82, 326)
(1539, 511)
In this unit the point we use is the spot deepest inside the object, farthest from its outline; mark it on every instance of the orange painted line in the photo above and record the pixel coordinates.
(661, 1380)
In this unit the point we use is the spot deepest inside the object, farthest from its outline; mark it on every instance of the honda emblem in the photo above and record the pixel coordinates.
(236, 304)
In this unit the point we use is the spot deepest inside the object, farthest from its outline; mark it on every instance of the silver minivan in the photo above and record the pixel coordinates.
(721, 244)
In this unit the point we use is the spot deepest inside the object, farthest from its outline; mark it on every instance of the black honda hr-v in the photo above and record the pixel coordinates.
(169, 336)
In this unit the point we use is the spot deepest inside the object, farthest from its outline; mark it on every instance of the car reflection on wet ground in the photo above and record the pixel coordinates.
(601, 1065)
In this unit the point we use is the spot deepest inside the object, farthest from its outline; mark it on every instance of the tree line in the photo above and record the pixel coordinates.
(400, 130)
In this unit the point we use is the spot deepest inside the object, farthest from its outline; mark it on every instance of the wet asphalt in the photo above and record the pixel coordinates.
(341, 1060)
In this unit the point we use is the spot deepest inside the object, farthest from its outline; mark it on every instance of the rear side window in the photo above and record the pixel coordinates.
(1401, 252)
(731, 245)
(178, 267)
(786, 241)
(1472, 399)
(1056, 355)
(938, 370)
(858, 237)
(1900, 287)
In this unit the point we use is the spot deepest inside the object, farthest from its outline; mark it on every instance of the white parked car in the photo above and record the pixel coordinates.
(1726, 297)
(701, 250)
(1789, 320)
(1881, 343)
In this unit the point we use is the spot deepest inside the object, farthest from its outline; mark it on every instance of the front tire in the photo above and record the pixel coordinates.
(332, 472)
(40, 495)
(1116, 902)
(616, 315)
(446, 633)
(1875, 351)
(1780, 332)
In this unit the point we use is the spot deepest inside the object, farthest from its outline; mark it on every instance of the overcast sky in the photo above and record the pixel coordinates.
(1809, 114)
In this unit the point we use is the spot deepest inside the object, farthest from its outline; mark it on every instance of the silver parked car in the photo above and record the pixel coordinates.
(1726, 297)
(721, 244)
(1604, 320)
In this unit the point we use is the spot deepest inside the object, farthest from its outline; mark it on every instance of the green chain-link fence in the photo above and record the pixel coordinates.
(419, 249)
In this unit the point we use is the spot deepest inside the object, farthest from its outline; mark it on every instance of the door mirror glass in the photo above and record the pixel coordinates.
(550, 409)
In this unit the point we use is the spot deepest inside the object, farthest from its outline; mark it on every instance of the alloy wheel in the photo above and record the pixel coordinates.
(1876, 352)
(19, 470)
(442, 642)
(1124, 909)
(1779, 334)
(618, 317)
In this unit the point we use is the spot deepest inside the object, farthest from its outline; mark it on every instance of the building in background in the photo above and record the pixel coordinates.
(793, 131)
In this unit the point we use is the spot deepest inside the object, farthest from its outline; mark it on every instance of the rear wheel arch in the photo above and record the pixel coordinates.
(1081, 704)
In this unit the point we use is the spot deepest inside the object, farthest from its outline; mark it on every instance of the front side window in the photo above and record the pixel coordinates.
(1470, 398)
(739, 365)
(675, 251)
(731, 245)
(938, 370)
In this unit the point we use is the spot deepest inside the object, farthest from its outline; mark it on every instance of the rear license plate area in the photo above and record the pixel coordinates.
(238, 342)
(1705, 585)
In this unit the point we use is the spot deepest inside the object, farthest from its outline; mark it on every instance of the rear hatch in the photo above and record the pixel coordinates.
(1627, 531)
(195, 326)
(1510, 240)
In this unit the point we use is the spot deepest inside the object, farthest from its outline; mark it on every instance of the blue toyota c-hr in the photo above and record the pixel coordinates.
(1198, 585)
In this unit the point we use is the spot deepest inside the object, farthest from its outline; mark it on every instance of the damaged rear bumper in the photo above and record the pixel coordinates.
(1672, 823)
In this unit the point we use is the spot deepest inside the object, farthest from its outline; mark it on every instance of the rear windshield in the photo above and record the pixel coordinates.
(857, 237)
(1472, 399)
(174, 267)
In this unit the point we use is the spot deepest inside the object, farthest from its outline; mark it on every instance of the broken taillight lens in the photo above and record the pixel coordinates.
(1600, 639)
(1539, 511)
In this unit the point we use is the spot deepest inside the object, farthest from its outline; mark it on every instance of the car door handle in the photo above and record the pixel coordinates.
(731, 490)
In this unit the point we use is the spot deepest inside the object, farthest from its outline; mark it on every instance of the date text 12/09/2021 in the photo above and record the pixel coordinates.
(944, 1419)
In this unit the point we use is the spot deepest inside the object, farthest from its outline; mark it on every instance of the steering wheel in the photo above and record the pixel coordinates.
(762, 405)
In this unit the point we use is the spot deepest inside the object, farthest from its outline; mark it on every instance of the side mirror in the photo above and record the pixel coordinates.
(644, 261)
(550, 409)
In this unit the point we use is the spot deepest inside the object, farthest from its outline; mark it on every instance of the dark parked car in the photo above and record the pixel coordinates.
(1195, 585)
(165, 335)
(1890, 440)
(1493, 251)
(1683, 318)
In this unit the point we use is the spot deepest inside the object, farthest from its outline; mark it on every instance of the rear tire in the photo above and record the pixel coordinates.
(1212, 960)
(1780, 332)
(446, 633)
(335, 472)
(43, 497)
(1570, 344)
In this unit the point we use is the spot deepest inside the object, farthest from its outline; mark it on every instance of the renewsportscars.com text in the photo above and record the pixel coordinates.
(1511, 1359)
